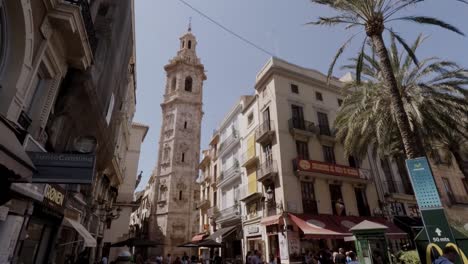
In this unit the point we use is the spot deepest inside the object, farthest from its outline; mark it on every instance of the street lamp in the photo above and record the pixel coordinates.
(108, 215)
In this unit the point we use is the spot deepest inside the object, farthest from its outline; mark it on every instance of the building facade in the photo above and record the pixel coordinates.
(119, 229)
(175, 216)
(65, 85)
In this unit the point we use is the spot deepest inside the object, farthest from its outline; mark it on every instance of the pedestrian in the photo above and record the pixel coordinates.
(185, 259)
(177, 261)
(348, 258)
(217, 258)
(104, 260)
(159, 259)
(272, 259)
(449, 256)
(169, 259)
(193, 259)
(248, 257)
(340, 257)
(124, 258)
(352, 256)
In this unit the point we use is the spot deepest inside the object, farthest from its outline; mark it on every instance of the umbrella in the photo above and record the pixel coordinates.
(189, 245)
(209, 243)
(136, 242)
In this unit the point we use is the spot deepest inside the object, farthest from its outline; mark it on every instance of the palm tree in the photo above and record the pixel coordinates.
(434, 99)
(373, 16)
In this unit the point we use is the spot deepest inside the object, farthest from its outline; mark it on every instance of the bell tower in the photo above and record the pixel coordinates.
(174, 217)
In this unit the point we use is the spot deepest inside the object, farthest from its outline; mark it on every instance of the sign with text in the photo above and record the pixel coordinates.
(327, 168)
(54, 196)
(437, 227)
(63, 168)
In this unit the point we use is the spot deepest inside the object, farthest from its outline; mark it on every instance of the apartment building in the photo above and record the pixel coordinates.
(313, 193)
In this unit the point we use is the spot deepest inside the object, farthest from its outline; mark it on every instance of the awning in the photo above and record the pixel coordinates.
(222, 232)
(89, 240)
(198, 237)
(313, 228)
(392, 231)
(271, 220)
(12, 154)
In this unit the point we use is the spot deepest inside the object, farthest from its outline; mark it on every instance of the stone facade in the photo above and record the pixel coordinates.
(174, 216)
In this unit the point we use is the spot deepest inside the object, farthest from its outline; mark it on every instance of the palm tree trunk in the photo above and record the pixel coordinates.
(411, 143)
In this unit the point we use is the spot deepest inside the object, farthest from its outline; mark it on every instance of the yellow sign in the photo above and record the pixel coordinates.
(54, 195)
(431, 246)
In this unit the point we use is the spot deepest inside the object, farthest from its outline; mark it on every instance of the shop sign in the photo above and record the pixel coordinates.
(54, 196)
(254, 229)
(63, 168)
(327, 168)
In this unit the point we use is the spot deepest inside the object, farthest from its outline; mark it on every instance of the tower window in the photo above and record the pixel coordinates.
(189, 44)
(188, 84)
(183, 43)
(180, 195)
(185, 125)
(173, 84)
(183, 156)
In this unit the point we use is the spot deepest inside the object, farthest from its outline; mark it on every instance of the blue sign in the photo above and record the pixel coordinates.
(423, 182)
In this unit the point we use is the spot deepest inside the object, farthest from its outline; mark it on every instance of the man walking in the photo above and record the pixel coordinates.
(449, 256)
(340, 258)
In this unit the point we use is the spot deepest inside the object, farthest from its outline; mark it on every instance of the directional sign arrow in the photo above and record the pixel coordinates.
(438, 231)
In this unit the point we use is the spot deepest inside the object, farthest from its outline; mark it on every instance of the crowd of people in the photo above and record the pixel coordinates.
(327, 257)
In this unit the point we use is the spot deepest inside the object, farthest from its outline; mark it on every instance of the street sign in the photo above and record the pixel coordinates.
(423, 183)
(432, 213)
(437, 227)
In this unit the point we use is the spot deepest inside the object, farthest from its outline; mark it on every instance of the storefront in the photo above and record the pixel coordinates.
(273, 227)
(43, 226)
(253, 238)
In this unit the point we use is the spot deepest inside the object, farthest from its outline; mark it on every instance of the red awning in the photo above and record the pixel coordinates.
(314, 228)
(198, 237)
(271, 220)
(326, 226)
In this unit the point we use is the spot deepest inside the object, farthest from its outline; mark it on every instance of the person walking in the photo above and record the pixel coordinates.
(449, 256)
(352, 256)
(340, 257)
(124, 258)
(169, 259)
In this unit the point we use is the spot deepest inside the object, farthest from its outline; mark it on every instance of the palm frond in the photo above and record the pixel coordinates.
(337, 56)
(431, 21)
(405, 46)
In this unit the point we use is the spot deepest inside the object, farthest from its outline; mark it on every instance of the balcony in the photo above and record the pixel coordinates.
(267, 171)
(72, 20)
(248, 158)
(455, 199)
(395, 188)
(265, 132)
(88, 21)
(329, 171)
(229, 174)
(302, 128)
(204, 203)
(229, 214)
(326, 133)
(212, 212)
(229, 141)
(249, 193)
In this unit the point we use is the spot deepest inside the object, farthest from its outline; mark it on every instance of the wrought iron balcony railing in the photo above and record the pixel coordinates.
(397, 187)
(229, 140)
(301, 124)
(265, 131)
(267, 169)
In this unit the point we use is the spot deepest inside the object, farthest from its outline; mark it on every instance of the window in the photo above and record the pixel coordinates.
(294, 88)
(188, 84)
(391, 188)
(337, 203)
(448, 190)
(318, 96)
(33, 104)
(400, 162)
(183, 156)
(308, 198)
(340, 102)
(173, 83)
(361, 200)
(250, 119)
(353, 162)
(189, 44)
(183, 44)
(302, 150)
(180, 195)
(328, 154)
(185, 125)
(297, 117)
(323, 124)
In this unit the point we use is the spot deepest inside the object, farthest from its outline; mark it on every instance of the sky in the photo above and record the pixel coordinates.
(231, 65)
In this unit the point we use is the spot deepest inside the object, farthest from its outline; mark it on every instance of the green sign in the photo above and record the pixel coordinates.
(437, 227)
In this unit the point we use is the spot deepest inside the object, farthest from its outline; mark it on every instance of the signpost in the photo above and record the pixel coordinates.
(63, 167)
(432, 213)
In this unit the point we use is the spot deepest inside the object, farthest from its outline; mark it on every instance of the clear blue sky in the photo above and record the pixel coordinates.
(231, 65)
